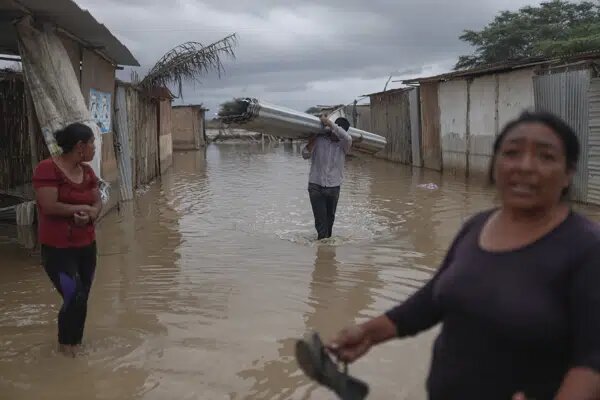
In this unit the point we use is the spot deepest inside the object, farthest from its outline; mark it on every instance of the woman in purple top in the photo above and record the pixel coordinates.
(518, 293)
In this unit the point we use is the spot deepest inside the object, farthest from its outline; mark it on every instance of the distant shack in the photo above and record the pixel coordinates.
(189, 127)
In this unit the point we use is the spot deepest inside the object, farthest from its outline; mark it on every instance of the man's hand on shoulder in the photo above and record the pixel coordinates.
(326, 121)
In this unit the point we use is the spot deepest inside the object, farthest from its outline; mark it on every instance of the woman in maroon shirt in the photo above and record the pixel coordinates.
(68, 203)
(518, 294)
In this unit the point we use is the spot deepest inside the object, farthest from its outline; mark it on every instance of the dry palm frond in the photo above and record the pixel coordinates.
(189, 61)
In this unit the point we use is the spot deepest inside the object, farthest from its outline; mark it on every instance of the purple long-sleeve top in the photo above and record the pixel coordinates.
(513, 321)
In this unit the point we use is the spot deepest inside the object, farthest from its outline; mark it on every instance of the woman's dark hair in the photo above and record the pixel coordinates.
(567, 136)
(68, 137)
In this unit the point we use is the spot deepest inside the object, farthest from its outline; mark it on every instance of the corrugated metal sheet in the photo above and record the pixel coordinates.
(364, 118)
(567, 94)
(390, 118)
(430, 127)
(593, 153)
(508, 66)
(123, 147)
(415, 127)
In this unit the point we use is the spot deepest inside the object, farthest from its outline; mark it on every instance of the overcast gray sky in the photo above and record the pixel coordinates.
(302, 53)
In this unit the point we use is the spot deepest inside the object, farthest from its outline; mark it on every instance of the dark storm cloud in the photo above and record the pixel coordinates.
(294, 52)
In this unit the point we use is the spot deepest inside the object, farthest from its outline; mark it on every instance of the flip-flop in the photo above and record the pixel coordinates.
(316, 363)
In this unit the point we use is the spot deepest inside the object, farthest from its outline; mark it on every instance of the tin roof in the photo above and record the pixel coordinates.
(507, 66)
(390, 91)
(66, 15)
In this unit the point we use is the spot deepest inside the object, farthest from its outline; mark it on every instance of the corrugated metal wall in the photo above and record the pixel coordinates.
(566, 94)
(415, 127)
(390, 118)
(593, 153)
(364, 118)
(430, 126)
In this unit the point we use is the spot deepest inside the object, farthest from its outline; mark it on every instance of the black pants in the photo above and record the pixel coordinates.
(324, 203)
(72, 272)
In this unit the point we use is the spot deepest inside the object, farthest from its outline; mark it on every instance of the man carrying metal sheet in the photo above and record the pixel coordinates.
(328, 154)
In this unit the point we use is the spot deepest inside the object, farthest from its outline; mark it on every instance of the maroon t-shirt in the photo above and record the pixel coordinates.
(61, 232)
(513, 321)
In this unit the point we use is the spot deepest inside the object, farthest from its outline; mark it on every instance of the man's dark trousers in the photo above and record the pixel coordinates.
(324, 203)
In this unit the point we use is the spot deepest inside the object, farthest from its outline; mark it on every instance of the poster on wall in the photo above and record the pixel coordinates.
(100, 108)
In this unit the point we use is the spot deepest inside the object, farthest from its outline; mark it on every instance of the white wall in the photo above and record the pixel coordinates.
(482, 123)
(493, 100)
(453, 124)
(515, 95)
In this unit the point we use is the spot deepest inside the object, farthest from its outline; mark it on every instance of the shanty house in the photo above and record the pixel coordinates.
(93, 53)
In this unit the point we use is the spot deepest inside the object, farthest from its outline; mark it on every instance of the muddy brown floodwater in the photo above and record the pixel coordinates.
(207, 279)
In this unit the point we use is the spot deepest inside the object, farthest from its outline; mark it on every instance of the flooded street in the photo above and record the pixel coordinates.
(204, 283)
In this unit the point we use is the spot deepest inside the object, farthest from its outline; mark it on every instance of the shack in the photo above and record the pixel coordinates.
(390, 117)
(189, 128)
(144, 131)
(464, 111)
(93, 53)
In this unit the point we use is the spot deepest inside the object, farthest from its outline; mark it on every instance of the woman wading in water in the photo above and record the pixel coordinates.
(68, 204)
(518, 293)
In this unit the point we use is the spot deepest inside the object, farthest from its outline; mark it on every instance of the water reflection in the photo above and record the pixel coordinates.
(339, 292)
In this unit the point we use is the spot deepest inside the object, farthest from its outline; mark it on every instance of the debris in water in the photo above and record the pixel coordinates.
(429, 186)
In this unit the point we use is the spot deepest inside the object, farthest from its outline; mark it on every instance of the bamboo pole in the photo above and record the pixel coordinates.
(31, 125)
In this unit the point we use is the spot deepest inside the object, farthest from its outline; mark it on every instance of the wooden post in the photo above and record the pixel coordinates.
(158, 100)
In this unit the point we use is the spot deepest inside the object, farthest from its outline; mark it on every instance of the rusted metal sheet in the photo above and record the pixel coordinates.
(566, 94)
(593, 149)
(390, 118)
(430, 126)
